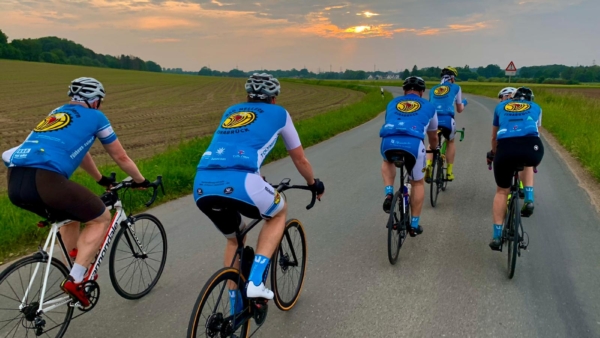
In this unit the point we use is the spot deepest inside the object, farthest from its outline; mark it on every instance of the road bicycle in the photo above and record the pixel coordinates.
(438, 181)
(211, 316)
(32, 302)
(513, 234)
(398, 224)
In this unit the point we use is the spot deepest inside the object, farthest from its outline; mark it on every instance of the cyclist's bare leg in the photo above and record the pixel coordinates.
(70, 235)
(417, 196)
(91, 238)
(388, 172)
(271, 233)
(429, 156)
(230, 249)
(526, 176)
(450, 152)
(499, 208)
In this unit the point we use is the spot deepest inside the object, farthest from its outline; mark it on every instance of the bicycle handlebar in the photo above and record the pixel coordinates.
(285, 185)
(129, 183)
(462, 134)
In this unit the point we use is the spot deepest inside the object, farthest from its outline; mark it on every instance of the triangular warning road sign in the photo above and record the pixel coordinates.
(511, 67)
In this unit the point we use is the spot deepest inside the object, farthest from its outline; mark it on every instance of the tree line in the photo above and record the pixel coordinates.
(559, 74)
(62, 51)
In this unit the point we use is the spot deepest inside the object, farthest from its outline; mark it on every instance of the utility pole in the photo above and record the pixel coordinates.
(330, 69)
(594, 62)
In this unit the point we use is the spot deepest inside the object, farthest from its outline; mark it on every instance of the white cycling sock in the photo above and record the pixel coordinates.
(77, 272)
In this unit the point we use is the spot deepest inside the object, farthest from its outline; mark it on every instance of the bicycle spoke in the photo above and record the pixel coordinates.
(15, 299)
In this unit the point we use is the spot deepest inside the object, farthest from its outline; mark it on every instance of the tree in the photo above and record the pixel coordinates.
(205, 71)
(3, 38)
(405, 73)
(415, 71)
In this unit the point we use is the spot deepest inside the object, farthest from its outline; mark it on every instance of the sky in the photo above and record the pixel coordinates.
(319, 34)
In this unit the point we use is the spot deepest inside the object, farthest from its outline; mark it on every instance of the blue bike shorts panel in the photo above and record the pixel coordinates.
(448, 123)
(412, 145)
(249, 188)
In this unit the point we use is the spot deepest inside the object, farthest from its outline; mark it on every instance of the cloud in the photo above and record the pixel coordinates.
(367, 14)
(165, 40)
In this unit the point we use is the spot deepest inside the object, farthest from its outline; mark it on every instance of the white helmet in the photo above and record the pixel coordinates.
(262, 86)
(87, 89)
(507, 91)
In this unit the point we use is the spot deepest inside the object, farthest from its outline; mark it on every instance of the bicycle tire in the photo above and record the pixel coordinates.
(433, 185)
(280, 264)
(444, 176)
(22, 323)
(513, 236)
(141, 264)
(223, 275)
(440, 177)
(397, 228)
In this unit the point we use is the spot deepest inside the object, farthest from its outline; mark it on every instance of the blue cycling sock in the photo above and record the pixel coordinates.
(497, 231)
(235, 298)
(415, 222)
(528, 194)
(258, 269)
(389, 190)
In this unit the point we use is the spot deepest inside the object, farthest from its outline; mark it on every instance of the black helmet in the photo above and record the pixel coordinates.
(414, 83)
(523, 93)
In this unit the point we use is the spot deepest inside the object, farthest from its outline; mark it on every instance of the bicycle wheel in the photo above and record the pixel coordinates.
(513, 235)
(211, 315)
(397, 227)
(14, 282)
(288, 266)
(134, 273)
(433, 185)
(443, 176)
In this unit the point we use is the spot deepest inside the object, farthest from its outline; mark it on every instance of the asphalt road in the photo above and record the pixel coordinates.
(447, 283)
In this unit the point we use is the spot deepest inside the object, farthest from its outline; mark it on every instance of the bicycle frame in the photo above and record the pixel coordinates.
(54, 235)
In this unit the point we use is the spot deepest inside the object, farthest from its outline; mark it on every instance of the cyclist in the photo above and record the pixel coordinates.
(228, 183)
(506, 93)
(446, 96)
(40, 168)
(515, 142)
(407, 119)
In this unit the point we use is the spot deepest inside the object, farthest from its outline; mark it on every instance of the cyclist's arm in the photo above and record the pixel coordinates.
(90, 167)
(495, 127)
(294, 148)
(432, 134)
(494, 138)
(118, 154)
(458, 102)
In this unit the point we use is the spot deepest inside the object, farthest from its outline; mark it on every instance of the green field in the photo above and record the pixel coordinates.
(177, 163)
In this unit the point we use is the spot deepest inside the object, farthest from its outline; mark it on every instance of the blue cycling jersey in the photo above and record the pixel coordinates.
(408, 115)
(517, 118)
(246, 135)
(61, 140)
(444, 96)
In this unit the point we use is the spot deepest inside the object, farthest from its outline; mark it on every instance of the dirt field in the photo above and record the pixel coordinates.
(147, 110)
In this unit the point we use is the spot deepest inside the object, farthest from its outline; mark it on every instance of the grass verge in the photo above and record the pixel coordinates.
(177, 165)
(570, 116)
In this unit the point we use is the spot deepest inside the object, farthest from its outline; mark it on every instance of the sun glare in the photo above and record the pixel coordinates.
(358, 29)
(367, 14)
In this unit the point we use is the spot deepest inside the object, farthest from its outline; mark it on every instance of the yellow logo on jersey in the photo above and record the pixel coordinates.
(277, 197)
(53, 122)
(441, 91)
(516, 107)
(408, 106)
(240, 119)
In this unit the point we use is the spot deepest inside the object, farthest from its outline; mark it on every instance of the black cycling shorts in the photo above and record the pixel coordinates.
(52, 196)
(226, 213)
(515, 152)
